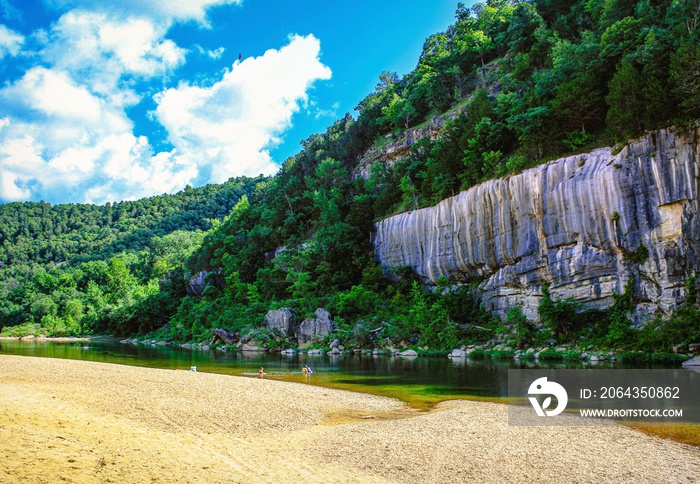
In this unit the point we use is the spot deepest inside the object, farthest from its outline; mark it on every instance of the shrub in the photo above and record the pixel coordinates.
(639, 255)
(643, 357)
(477, 354)
(551, 355)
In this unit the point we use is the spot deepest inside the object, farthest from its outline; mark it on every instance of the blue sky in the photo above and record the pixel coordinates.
(106, 101)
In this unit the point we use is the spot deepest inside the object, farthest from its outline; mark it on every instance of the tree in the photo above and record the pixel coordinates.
(533, 129)
(399, 112)
(409, 191)
(625, 101)
(685, 78)
(578, 103)
(42, 306)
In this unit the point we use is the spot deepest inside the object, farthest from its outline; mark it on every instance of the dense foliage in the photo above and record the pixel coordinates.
(530, 80)
(518, 81)
(39, 232)
(83, 268)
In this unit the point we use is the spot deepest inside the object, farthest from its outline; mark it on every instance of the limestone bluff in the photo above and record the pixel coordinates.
(571, 224)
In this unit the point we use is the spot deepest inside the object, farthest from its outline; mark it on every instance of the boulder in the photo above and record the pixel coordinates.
(224, 336)
(281, 322)
(457, 353)
(692, 363)
(409, 353)
(317, 328)
(694, 348)
(679, 348)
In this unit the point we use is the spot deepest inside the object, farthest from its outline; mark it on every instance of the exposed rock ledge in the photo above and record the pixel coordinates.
(569, 223)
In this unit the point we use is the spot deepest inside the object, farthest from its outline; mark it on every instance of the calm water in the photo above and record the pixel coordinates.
(421, 381)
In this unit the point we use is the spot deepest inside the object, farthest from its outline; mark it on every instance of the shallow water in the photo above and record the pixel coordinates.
(421, 381)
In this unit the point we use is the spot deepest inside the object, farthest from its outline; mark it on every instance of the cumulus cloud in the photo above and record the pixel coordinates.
(212, 54)
(106, 54)
(10, 42)
(231, 125)
(70, 144)
(163, 11)
(67, 135)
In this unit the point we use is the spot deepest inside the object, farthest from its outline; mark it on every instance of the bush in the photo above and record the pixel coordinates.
(642, 357)
(550, 355)
(477, 354)
(522, 329)
(561, 317)
(501, 354)
(21, 330)
(639, 255)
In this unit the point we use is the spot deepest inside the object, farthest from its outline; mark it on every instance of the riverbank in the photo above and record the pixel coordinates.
(91, 422)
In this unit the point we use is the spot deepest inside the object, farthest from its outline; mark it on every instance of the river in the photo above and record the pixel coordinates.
(420, 381)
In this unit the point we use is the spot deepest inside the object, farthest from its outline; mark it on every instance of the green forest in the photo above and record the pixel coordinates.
(521, 82)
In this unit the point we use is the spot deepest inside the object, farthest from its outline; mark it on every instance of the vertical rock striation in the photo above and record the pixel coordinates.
(583, 225)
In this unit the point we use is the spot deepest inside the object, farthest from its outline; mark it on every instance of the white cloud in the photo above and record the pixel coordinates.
(231, 125)
(328, 113)
(9, 188)
(212, 54)
(53, 93)
(67, 136)
(104, 52)
(10, 42)
(161, 10)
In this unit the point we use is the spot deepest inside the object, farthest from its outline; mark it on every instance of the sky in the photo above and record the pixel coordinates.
(102, 101)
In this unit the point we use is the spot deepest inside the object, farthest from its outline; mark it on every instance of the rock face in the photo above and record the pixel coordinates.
(313, 329)
(196, 285)
(398, 148)
(582, 225)
(219, 334)
(281, 321)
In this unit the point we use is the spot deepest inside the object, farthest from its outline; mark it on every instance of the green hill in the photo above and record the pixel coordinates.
(524, 81)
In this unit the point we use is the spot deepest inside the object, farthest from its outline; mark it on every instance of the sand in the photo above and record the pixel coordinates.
(85, 422)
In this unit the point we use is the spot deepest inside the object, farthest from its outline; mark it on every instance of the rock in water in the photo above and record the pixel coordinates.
(226, 337)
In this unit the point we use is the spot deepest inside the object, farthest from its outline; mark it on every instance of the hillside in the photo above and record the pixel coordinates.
(39, 232)
(58, 261)
(508, 86)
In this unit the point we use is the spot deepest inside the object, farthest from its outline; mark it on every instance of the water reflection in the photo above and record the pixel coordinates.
(422, 381)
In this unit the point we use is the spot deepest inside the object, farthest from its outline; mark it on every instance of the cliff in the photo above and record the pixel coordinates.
(583, 225)
(397, 147)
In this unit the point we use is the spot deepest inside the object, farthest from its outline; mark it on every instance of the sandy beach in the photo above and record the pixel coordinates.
(85, 422)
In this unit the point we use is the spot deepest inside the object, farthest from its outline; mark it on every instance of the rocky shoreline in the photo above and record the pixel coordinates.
(282, 332)
(590, 355)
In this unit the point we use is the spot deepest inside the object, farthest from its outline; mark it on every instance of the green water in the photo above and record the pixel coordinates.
(421, 381)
